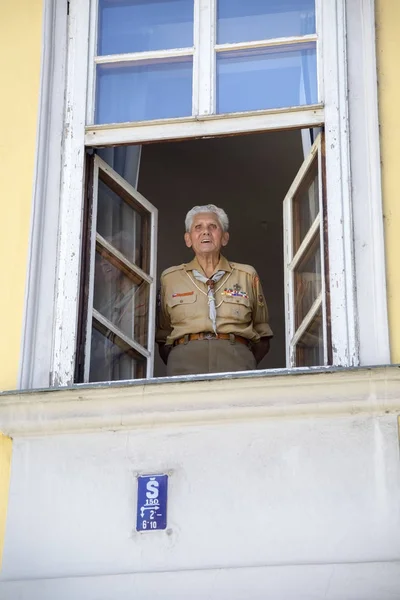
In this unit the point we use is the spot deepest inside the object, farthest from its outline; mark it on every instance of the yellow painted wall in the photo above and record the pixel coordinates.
(20, 53)
(5, 469)
(388, 55)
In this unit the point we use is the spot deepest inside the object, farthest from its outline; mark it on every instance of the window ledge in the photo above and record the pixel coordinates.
(204, 398)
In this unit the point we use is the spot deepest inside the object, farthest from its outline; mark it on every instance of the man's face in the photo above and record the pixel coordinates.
(206, 235)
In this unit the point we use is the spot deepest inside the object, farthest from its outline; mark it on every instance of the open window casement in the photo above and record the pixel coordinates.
(121, 279)
(305, 260)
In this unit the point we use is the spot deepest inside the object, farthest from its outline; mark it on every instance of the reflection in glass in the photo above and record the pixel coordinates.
(267, 78)
(124, 160)
(137, 25)
(250, 20)
(120, 224)
(144, 91)
(111, 359)
(307, 282)
(305, 207)
(310, 348)
(121, 299)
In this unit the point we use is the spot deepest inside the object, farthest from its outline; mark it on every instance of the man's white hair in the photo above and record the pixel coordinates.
(207, 208)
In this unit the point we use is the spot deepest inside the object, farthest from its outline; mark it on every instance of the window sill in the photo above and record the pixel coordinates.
(202, 398)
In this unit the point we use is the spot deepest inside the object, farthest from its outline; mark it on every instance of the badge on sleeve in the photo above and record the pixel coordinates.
(260, 300)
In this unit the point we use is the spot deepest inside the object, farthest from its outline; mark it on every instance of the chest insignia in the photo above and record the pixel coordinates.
(181, 294)
(234, 293)
(237, 287)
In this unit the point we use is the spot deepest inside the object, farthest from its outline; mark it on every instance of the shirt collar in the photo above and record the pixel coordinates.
(223, 265)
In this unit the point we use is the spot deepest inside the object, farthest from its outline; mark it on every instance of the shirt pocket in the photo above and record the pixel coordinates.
(235, 309)
(181, 308)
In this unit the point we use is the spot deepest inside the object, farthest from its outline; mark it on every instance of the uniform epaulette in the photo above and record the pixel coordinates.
(246, 268)
(172, 269)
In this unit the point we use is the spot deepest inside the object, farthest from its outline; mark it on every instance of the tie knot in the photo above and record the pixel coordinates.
(210, 283)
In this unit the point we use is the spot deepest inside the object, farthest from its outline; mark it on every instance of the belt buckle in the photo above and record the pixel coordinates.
(209, 336)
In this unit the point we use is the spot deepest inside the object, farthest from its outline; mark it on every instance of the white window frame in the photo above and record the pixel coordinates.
(352, 309)
(202, 52)
(294, 255)
(148, 277)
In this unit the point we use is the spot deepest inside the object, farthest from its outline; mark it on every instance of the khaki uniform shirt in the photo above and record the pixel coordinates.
(239, 300)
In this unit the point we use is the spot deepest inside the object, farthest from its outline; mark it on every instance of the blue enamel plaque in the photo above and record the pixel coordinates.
(152, 502)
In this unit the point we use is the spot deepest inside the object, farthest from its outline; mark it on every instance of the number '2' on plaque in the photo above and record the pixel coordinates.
(152, 502)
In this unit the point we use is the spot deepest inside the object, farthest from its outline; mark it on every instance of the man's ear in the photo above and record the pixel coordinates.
(188, 240)
(225, 238)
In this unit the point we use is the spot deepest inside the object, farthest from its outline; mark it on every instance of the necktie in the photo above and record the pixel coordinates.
(212, 311)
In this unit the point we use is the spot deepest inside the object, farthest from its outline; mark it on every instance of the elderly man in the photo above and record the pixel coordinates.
(212, 313)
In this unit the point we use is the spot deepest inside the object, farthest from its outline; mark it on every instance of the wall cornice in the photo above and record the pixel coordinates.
(271, 394)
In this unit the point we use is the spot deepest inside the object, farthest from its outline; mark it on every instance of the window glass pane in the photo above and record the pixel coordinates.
(144, 91)
(305, 206)
(307, 282)
(125, 160)
(111, 359)
(120, 298)
(310, 348)
(121, 225)
(267, 78)
(247, 20)
(140, 25)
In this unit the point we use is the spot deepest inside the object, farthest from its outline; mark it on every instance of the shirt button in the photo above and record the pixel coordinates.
(181, 301)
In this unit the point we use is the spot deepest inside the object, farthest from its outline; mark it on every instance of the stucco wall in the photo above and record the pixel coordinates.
(270, 494)
(388, 34)
(266, 493)
(5, 467)
(20, 51)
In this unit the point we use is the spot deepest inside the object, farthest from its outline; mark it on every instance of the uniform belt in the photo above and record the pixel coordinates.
(208, 335)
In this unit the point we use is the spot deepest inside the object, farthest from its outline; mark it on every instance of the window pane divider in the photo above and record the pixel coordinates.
(91, 91)
(204, 57)
(316, 305)
(117, 332)
(92, 259)
(320, 41)
(196, 58)
(205, 125)
(308, 240)
(284, 41)
(324, 262)
(125, 263)
(317, 110)
(152, 293)
(151, 55)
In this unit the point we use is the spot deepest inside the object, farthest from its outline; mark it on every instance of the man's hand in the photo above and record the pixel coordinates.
(260, 349)
(164, 351)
